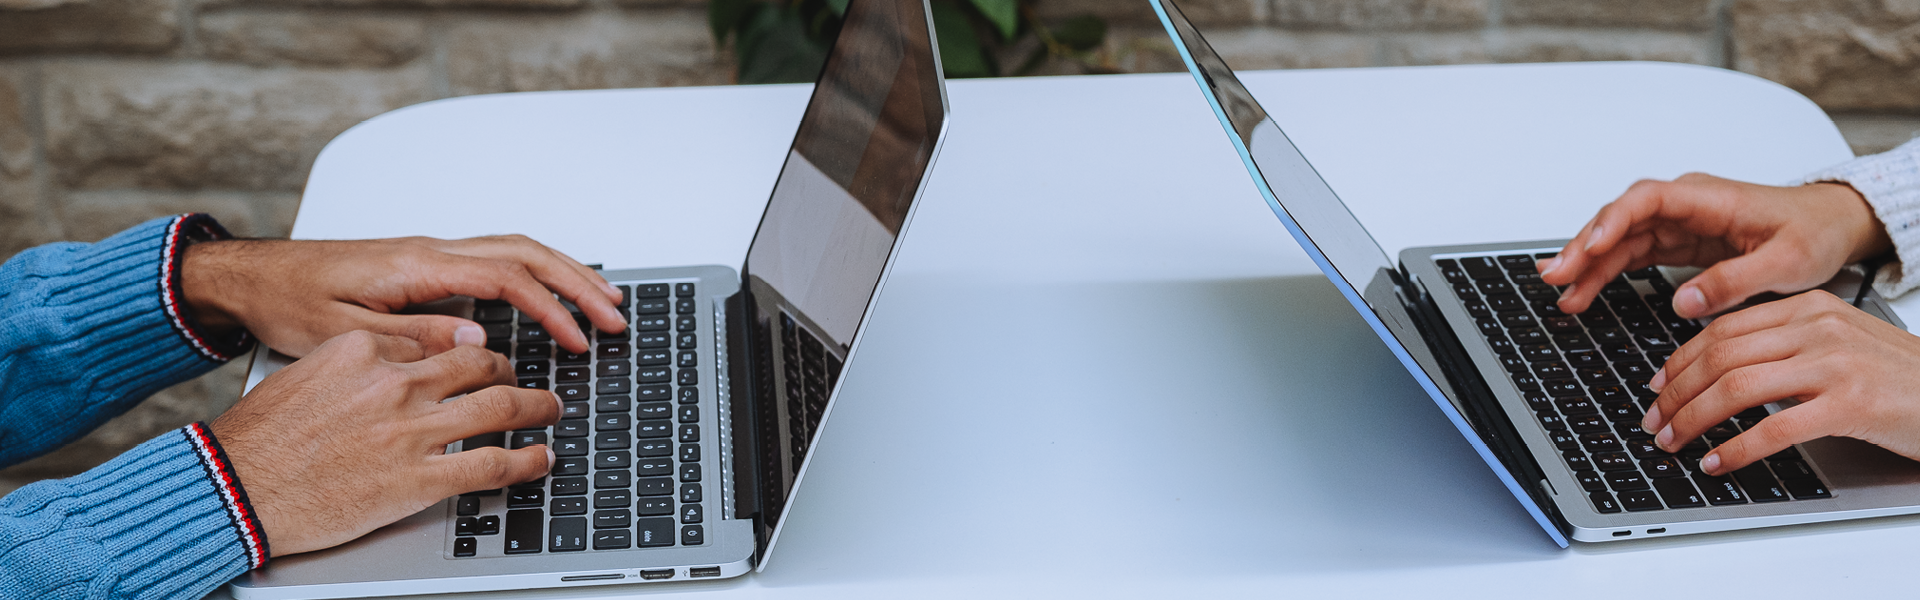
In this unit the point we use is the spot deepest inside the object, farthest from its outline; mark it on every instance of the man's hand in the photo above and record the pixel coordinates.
(1752, 239)
(1854, 375)
(352, 437)
(293, 295)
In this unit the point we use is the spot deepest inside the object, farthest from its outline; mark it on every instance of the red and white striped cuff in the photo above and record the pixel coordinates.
(184, 229)
(246, 523)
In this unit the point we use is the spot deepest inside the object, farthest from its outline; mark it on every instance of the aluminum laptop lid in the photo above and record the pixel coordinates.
(1329, 233)
(852, 181)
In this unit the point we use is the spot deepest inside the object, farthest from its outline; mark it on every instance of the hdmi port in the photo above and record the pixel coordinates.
(657, 574)
(704, 572)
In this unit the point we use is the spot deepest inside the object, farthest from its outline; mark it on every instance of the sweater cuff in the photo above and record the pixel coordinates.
(1891, 184)
(183, 231)
(167, 519)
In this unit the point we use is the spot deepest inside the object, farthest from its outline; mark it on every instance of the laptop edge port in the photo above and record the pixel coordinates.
(703, 572)
(657, 574)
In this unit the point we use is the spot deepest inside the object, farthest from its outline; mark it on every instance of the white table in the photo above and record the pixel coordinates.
(1102, 368)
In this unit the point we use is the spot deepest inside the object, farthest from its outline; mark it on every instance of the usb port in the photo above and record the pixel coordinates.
(657, 574)
(703, 572)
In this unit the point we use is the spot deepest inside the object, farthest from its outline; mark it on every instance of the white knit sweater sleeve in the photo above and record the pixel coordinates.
(1891, 184)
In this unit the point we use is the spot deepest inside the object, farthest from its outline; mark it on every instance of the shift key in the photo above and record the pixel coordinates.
(567, 534)
(523, 531)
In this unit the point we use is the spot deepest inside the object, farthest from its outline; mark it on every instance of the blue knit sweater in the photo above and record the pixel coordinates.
(86, 332)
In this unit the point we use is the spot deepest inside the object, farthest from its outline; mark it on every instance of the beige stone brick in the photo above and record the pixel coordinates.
(94, 215)
(1847, 55)
(1658, 14)
(615, 49)
(1873, 134)
(196, 126)
(26, 219)
(1120, 12)
(1381, 14)
(200, 399)
(1528, 45)
(310, 38)
(92, 25)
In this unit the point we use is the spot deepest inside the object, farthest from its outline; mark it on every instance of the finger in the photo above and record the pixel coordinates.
(1566, 264)
(1682, 386)
(1732, 281)
(1728, 326)
(488, 468)
(435, 333)
(458, 371)
(369, 344)
(1740, 389)
(1601, 271)
(492, 279)
(498, 408)
(1779, 431)
(1641, 201)
(559, 273)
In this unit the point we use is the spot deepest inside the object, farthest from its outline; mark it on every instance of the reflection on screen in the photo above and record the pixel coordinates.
(865, 140)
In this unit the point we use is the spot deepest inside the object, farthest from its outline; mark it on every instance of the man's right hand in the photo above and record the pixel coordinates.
(1751, 239)
(352, 437)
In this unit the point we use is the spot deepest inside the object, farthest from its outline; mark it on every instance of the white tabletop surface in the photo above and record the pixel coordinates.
(1102, 368)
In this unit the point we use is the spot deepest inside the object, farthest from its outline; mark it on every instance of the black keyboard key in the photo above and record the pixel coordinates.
(609, 519)
(649, 393)
(655, 506)
(1591, 481)
(571, 428)
(651, 307)
(1613, 461)
(690, 472)
(687, 360)
(612, 368)
(1631, 431)
(569, 447)
(1514, 364)
(654, 323)
(570, 486)
(654, 486)
(531, 334)
(647, 341)
(683, 289)
(1721, 433)
(692, 535)
(688, 395)
(531, 497)
(1563, 388)
(1577, 460)
(1584, 359)
(612, 440)
(654, 358)
(1621, 412)
(568, 506)
(567, 534)
(1451, 270)
(1601, 442)
(467, 506)
(653, 375)
(1622, 481)
(573, 392)
(612, 404)
(653, 447)
(689, 341)
(653, 428)
(534, 384)
(613, 421)
(617, 459)
(612, 479)
(689, 453)
(689, 413)
(523, 531)
(497, 331)
(579, 374)
(653, 532)
(1512, 320)
(618, 351)
(465, 546)
(1719, 490)
(689, 433)
(1665, 467)
(1807, 489)
(1640, 500)
(690, 492)
(654, 467)
(1678, 492)
(650, 290)
(1577, 407)
(533, 352)
(1588, 424)
(1551, 370)
(654, 410)
(1505, 302)
(612, 499)
(1564, 440)
(1643, 448)
(573, 359)
(532, 368)
(1604, 502)
(1482, 267)
(612, 539)
(1539, 352)
(684, 306)
(1502, 346)
(526, 439)
(1529, 336)
(612, 385)
(465, 525)
(692, 513)
(1791, 469)
(487, 525)
(1525, 381)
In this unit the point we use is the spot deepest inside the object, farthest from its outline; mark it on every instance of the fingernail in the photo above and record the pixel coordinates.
(1594, 236)
(550, 457)
(1665, 438)
(1548, 265)
(611, 291)
(469, 335)
(558, 403)
(1659, 380)
(1690, 302)
(1711, 463)
(1568, 293)
(1651, 422)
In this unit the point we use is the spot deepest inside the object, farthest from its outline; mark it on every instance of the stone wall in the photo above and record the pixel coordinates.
(115, 111)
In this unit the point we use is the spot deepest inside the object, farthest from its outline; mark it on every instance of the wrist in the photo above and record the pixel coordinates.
(206, 269)
(1866, 235)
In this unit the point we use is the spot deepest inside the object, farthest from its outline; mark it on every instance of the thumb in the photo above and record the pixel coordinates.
(1732, 281)
(436, 333)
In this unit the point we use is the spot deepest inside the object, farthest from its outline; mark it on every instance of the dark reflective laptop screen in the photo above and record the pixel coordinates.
(864, 143)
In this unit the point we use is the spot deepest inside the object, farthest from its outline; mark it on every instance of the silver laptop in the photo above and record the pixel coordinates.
(1551, 402)
(684, 438)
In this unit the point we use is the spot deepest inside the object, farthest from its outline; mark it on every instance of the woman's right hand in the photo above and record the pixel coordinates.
(1750, 238)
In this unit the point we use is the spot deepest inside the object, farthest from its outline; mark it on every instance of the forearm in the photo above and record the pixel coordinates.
(1890, 182)
(89, 330)
(167, 519)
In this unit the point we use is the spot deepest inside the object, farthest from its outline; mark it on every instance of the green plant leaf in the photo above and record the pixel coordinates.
(774, 48)
(1005, 15)
(724, 16)
(960, 51)
(1082, 33)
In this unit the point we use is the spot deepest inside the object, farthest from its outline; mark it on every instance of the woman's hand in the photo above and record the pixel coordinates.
(1854, 375)
(1751, 239)
(293, 295)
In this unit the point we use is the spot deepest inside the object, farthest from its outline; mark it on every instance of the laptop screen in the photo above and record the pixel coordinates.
(864, 145)
(1330, 234)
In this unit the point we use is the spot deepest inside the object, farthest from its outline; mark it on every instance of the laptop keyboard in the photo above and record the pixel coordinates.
(627, 470)
(810, 374)
(1585, 377)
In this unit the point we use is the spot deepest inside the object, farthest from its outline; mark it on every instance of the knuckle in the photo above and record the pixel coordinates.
(1740, 383)
(489, 467)
(493, 406)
